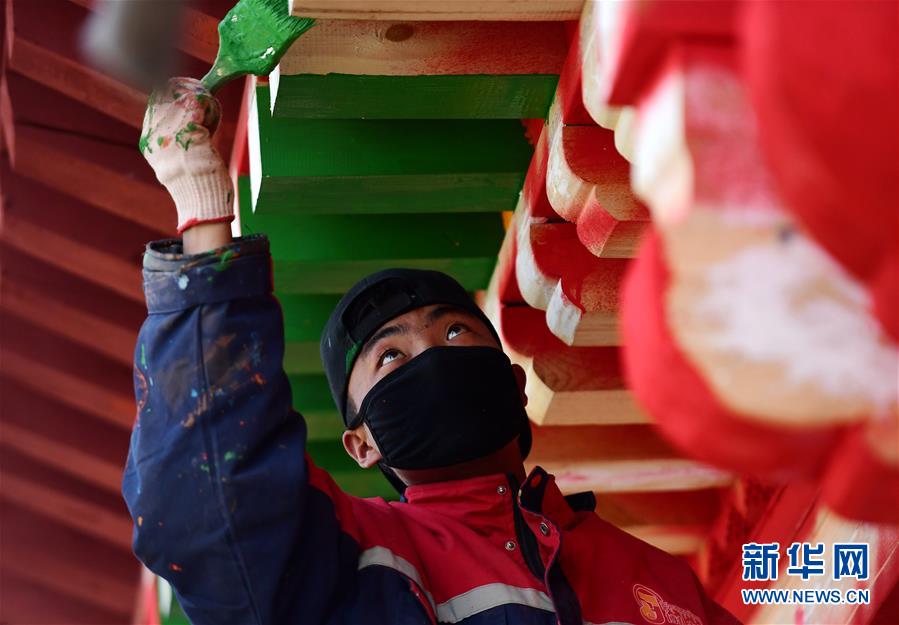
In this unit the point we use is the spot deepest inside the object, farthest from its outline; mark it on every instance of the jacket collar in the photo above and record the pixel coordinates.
(487, 494)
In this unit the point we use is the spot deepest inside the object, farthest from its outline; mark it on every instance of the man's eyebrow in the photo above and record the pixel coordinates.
(442, 311)
(383, 333)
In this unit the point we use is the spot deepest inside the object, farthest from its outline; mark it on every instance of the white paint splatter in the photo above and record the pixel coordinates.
(183, 280)
(787, 302)
(268, 52)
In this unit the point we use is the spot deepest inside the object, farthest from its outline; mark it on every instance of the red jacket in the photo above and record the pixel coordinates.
(228, 508)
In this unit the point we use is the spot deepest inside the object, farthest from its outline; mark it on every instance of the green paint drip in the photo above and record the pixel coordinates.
(204, 467)
(252, 38)
(143, 356)
(229, 456)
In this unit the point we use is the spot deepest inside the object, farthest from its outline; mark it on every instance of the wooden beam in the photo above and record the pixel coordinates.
(55, 249)
(384, 166)
(63, 456)
(579, 385)
(89, 518)
(26, 603)
(578, 291)
(41, 157)
(44, 553)
(96, 333)
(440, 70)
(78, 81)
(327, 254)
(7, 124)
(635, 40)
(110, 406)
(618, 459)
(671, 474)
(411, 10)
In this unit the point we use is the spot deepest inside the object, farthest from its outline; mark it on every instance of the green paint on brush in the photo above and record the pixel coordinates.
(252, 38)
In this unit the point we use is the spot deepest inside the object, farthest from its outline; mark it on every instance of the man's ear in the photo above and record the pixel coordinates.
(522, 378)
(361, 447)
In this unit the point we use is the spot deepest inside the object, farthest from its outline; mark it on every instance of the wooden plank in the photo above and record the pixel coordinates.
(671, 474)
(384, 166)
(327, 254)
(635, 40)
(579, 385)
(41, 157)
(588, 180)
(50, 555)
(440, 70)
(687, 508)
(7, 124)
(369, 48)
(343, 96)
(96, 333)
(89, 518)
(93, 399)
(64, 456)
(304, 319)
(93, 265)
(26, 603)
(78, 81)
(480, 10)
(578, 291)
(618, 459)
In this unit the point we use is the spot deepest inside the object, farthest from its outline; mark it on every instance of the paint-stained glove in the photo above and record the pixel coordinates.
(176, 141)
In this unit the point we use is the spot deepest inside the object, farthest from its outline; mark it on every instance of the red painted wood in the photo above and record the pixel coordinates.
(524, 330)
(568, 90)
(27, 603)
(645, 30)
(846, 140)
(49, 432)
(55, 557)
(533, 192)
(73, 165)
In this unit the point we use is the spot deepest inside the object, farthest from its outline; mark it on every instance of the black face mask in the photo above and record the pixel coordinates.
(445, 406)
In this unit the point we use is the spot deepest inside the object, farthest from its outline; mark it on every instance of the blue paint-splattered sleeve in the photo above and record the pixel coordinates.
(216, 480)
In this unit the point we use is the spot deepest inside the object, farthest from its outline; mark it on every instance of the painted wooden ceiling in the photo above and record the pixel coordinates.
(382, 140)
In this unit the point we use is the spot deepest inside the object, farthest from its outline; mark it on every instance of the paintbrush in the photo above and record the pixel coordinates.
(253, 36)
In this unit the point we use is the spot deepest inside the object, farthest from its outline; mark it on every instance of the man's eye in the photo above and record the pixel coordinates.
(388, 356)
(455, 330)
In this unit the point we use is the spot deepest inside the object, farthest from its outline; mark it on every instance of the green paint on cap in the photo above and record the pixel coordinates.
(351, 356)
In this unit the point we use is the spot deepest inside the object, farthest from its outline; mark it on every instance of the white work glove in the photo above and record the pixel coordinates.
(176, 141)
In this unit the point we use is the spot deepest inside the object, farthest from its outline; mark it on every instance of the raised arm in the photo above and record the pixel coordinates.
(217, 481)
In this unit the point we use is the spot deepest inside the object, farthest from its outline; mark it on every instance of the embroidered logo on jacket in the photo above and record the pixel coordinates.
(657, 611)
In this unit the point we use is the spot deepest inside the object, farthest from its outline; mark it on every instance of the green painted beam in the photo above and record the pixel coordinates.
(345, 96)
(326, 166)
(327, 254)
